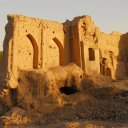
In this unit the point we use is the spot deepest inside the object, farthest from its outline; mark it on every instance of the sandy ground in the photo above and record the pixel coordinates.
(102, 103)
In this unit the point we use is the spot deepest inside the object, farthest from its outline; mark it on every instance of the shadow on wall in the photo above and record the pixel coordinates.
(61, 51)
(67, 42)
(1, 55)
(122, 58)
(4, 64)
(7, 40)
(35, 50)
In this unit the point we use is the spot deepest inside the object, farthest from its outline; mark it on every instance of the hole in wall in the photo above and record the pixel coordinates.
(53, 32)
(69, 90)
(81, 76)
(19, 80)
(50, 46)
(64, 31)
(84, 23)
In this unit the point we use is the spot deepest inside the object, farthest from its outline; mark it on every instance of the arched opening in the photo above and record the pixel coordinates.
(108, 72)
(104, 61)
(102, 69)
(35, 50)
(102, 66)
(91, 54)
(61, 51)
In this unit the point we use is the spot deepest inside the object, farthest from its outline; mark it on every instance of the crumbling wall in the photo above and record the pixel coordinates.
(113, 50)
(76, 50)
(42, 43)
(22, 49)
(40, 89)
(27, 50)
(97, 52)
(53, 44)
(85, 42)
(31, 44)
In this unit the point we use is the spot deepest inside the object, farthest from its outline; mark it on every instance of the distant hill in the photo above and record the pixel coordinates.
(1, 54)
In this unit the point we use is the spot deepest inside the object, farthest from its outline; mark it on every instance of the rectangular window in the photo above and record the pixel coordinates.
(91, 54)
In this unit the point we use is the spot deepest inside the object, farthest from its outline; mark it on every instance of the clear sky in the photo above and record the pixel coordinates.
(109, 15)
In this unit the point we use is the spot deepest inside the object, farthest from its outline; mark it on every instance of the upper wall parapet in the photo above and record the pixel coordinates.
(15, 18)
(77, 20)
(87, 30)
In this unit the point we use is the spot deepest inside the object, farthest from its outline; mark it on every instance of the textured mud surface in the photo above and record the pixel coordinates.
(101, 103)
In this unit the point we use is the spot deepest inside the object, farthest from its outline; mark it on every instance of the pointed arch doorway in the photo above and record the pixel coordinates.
(27, 52)
(55, 53)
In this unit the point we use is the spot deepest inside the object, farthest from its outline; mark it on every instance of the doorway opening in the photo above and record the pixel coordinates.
(108, 72)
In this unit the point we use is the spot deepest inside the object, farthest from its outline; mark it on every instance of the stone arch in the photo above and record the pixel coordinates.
(61, 50)
(35, 50)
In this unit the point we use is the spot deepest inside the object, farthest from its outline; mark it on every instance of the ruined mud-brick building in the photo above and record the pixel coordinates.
(32, 43)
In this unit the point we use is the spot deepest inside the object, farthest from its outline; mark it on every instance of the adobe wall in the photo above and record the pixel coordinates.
(114, 48)
(110, 50)
(84, 28)
(32, 43)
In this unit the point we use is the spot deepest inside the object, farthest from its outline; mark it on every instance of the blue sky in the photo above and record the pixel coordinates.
(109, 15)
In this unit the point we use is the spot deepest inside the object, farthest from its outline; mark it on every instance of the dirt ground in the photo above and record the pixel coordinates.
(101, 103)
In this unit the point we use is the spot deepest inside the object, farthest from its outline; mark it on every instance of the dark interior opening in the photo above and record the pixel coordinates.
(91, 54)
(69, 90)
(14, 94)
(108, 72)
